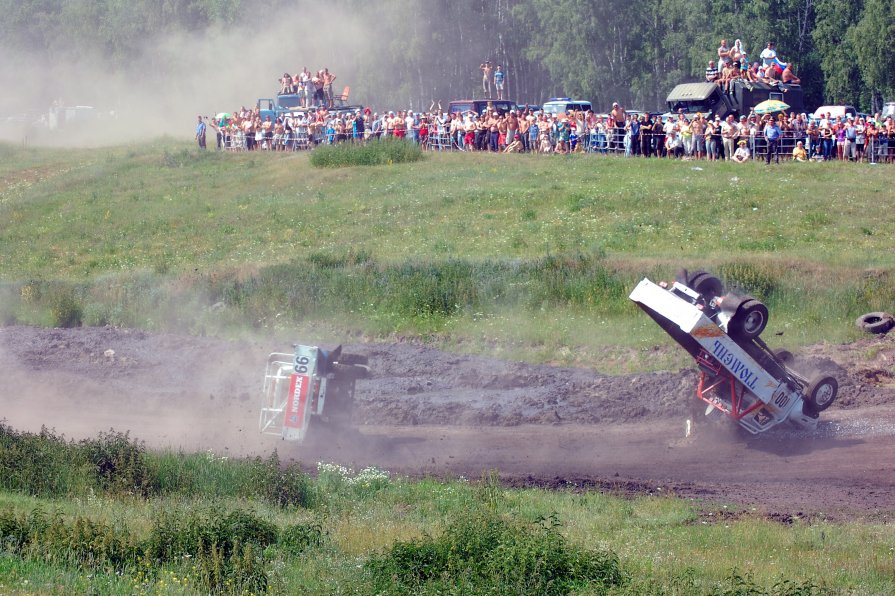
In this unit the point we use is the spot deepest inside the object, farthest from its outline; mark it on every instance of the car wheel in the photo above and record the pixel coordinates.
(784, 356)
(750, 319)
(821, 392)
(875, 322)
(706, 284)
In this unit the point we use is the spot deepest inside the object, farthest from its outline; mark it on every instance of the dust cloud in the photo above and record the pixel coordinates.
(173, 79)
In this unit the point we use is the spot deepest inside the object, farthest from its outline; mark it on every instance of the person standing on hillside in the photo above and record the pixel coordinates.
(772, 136)
(729, 134)
(498, 81)
(617, 113)
(200, 133)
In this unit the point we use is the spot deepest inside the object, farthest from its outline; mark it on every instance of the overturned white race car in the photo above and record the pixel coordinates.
(739, 374)
(309, 383)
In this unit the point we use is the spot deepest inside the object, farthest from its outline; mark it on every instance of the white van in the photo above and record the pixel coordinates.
(564, 105)
(888, 110)
(834, 111)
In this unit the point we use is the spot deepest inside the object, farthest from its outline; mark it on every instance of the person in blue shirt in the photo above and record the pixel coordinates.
(498, 81)
(772, 136)
(200, 133)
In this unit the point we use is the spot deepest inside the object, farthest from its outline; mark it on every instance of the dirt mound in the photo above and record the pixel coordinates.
(427, 412)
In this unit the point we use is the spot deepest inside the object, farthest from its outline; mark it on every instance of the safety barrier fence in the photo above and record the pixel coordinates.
(604, 142)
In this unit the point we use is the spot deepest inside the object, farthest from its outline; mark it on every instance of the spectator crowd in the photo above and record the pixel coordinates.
(530, 130)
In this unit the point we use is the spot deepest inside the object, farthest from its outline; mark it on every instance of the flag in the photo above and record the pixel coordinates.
(778, 66)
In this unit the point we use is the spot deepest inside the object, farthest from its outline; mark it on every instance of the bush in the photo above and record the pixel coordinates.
(297, 538)
(65, 310)
(120, 464)
(83, 543)
(42, 464)
(283, 486)
(373, 153)
(486, 553)
(178, 533)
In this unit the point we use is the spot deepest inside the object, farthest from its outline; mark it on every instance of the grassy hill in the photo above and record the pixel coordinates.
(528, 256)
(520, 256)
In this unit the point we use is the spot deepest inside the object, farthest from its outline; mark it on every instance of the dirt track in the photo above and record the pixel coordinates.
(429, 412)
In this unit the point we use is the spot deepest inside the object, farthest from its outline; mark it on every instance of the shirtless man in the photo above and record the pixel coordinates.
(790, 77)
(512, 122)
(493, 132)
(697, 128)
(618, 132)
(318, 88)
(486, 69)
(502, 137)
(328, 79)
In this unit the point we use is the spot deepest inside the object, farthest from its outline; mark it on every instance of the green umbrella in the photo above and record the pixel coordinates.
(769, 106)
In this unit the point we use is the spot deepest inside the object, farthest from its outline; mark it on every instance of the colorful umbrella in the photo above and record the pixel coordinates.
(769, 106)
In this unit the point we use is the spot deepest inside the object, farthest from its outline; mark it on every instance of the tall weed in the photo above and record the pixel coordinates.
(482, 552)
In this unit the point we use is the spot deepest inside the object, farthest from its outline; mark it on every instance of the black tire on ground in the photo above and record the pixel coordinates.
(706, 284)
(749, 320)
(821, 392)
(875, 322)
(784, 356)
(353, 359)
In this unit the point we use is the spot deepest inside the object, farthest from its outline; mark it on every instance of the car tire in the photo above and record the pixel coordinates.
(875, 322)
(749, 320)
(784, 356)
(706, 284)
(822, 392)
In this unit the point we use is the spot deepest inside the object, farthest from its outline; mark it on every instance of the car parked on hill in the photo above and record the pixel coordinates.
(564, 105)
(480, 106)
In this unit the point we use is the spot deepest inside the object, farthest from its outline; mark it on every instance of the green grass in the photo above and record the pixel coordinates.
(521, 257)
(372, 532)
(527, 256)
(382, 152)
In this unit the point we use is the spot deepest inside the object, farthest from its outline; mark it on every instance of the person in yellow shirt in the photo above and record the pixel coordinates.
(799, 153)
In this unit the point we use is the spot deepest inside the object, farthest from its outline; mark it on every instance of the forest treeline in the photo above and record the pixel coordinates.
(418, 50)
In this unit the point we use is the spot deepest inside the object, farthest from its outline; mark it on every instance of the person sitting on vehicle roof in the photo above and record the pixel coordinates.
(286, 84)
(711, 72)
(730, 71)
(789, 76)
